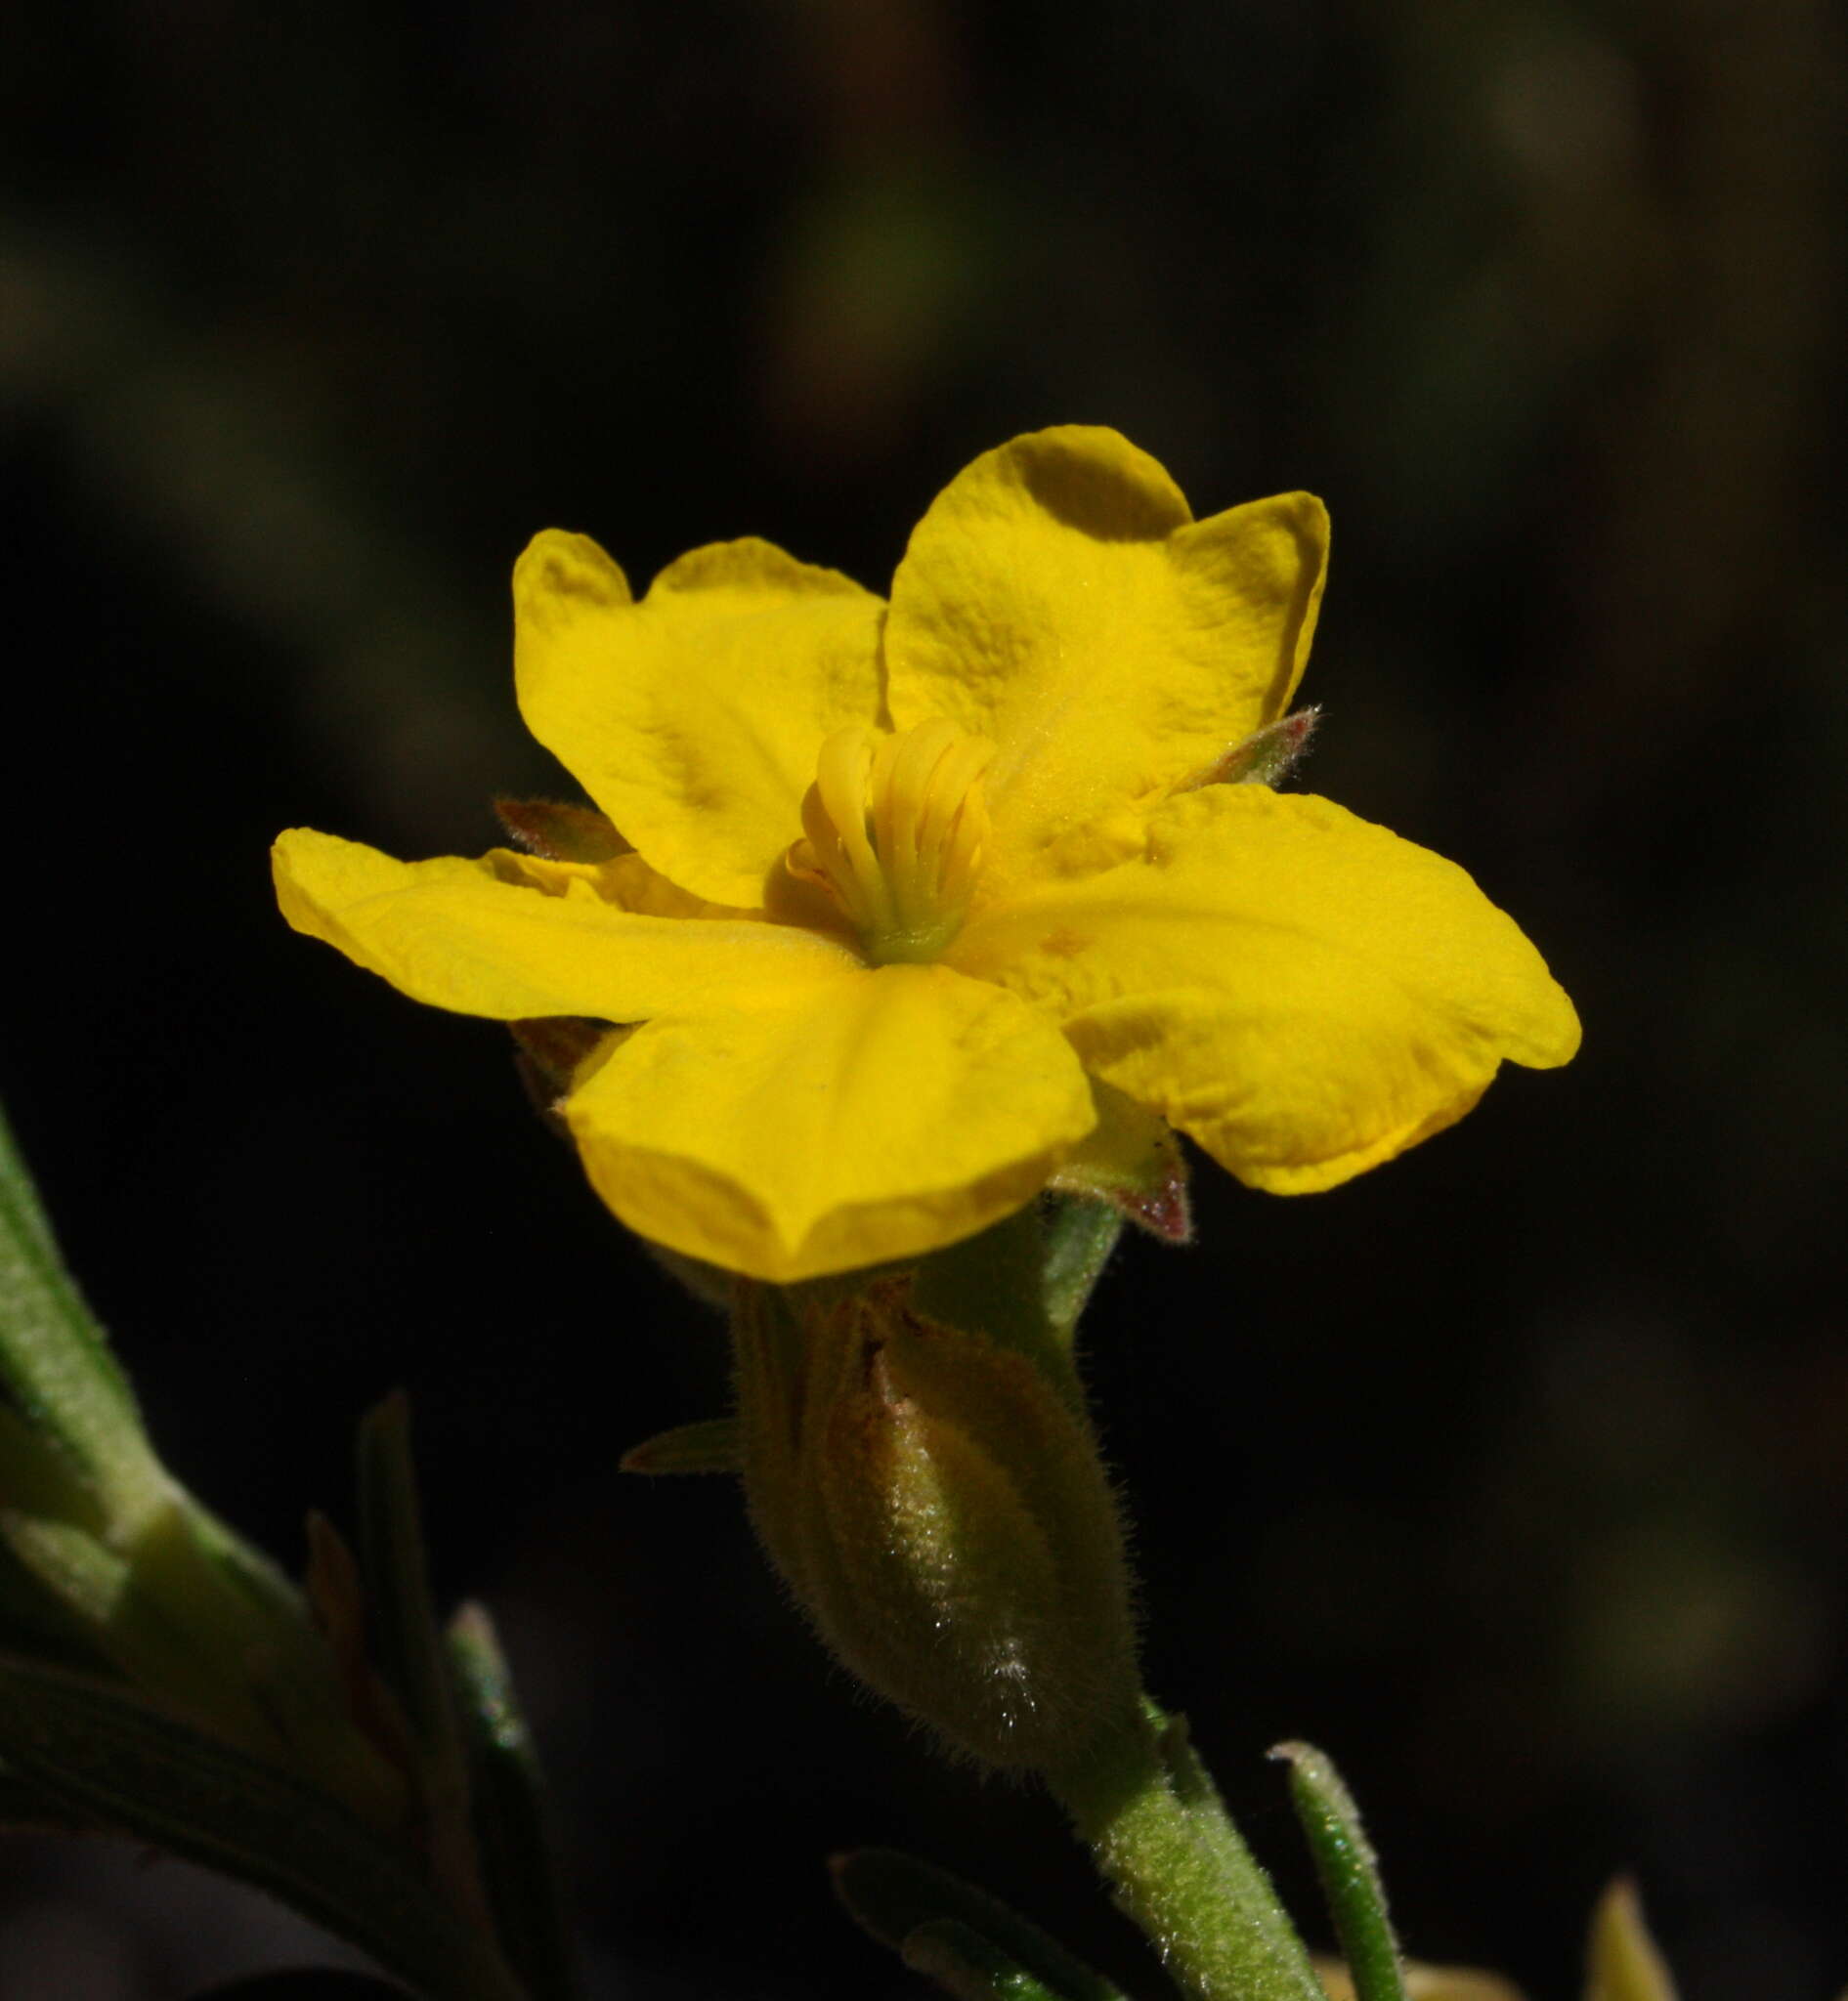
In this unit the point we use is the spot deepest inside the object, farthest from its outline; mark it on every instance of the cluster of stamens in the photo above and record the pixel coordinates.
(895, 828)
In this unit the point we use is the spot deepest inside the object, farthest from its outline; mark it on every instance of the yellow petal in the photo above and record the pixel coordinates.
(871, 1119)
(512, 936)
(693, 718)
(1623, 1964)
(1303, 993)
(1060, 599)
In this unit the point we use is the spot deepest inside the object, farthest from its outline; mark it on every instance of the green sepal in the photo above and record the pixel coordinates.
(109, 1760)
(1079, 1237)
(900, 1899)
(513, 1833)
(558, 832)
(1132, 1158)
(714, 1445)
(1349, 1871)
(933, 1497)
(550, 1049)
(1268, 755)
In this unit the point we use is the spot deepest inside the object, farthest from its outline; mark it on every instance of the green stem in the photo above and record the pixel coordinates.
(1161, 1837)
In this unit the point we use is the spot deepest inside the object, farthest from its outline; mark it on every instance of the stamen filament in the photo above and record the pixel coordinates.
(895, 831)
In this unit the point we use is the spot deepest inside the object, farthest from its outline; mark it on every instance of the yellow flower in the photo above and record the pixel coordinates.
(921, 903)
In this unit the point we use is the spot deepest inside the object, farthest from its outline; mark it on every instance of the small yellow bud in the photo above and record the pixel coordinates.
(939, 1510)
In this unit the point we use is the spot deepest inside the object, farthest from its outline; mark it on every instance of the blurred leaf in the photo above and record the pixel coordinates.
(894, 1896)
(36, 1622)
(23, 1806)
(969, 1967)
(1349, 1873)
(712, 1446)
(107, 1759)
(134, 1627)
(306, 1984)
(1426, 1982)
(512, 1818)
(1623, 1963)
(38, 1476)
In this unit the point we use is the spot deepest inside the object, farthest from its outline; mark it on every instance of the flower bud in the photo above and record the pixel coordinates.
(938, 1509)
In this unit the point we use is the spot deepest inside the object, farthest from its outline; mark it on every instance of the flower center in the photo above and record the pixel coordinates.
(895, 831)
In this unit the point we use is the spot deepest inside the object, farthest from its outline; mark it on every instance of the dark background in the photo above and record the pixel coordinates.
(1516, 1473)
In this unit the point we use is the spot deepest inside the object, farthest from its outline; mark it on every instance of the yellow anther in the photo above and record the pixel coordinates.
(894, 830)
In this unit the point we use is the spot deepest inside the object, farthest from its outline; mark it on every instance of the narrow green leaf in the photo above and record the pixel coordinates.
(1349, 1873)
(406, 1644)
(896, 1898)
(512, 1817)
(110, 1759)
(19, 1200)
(970, 1967)
(55, 1362)
(714, 1445)
(77, 1406)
